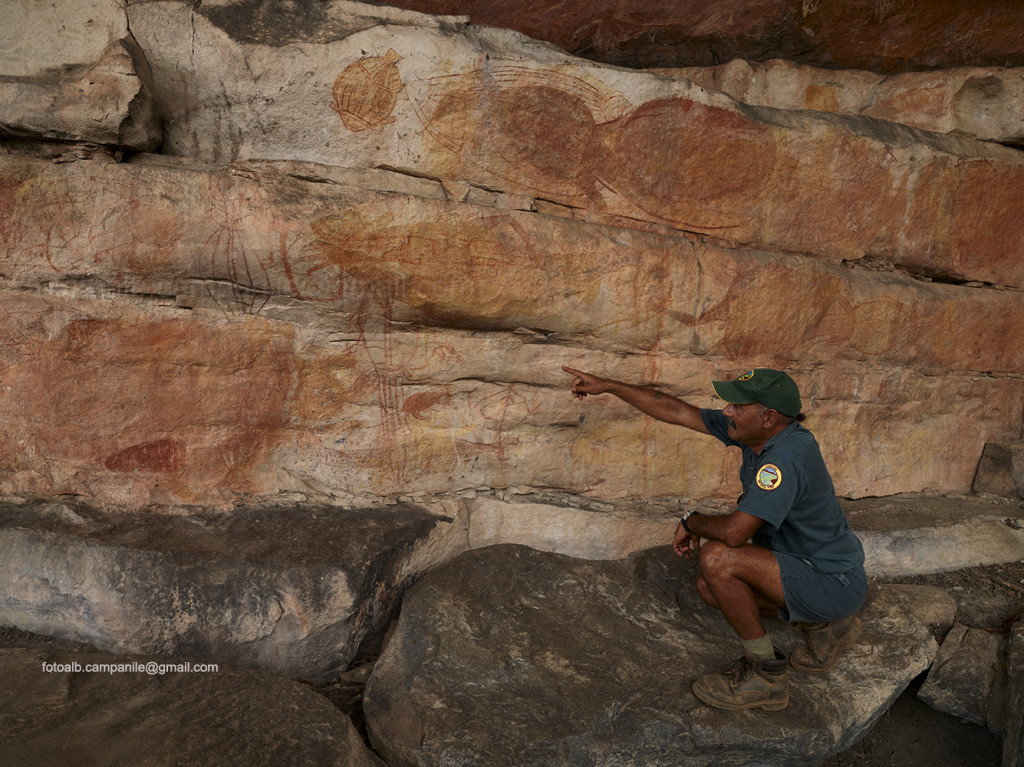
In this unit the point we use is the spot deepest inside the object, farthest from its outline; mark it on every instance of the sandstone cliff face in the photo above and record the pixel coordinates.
(876, 35)
(372, 238)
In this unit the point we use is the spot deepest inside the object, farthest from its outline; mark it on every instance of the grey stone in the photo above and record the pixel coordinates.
(512, 656)
(83, 709)
(38, 38)
(962, 678)
(71, 71)
(1013, 740)
(1001, 470)
(293, 589)
(109, 102)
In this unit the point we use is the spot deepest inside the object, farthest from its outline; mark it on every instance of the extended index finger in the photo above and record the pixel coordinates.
(572, 371)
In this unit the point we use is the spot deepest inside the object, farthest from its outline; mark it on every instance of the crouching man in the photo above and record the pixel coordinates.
(786, 549)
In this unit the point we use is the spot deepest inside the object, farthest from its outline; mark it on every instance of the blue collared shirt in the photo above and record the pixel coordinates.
(788, 486)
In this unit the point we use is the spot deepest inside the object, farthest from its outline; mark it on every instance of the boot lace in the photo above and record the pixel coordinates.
(740, 669)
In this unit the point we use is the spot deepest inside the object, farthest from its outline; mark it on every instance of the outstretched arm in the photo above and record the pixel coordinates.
(656, 404)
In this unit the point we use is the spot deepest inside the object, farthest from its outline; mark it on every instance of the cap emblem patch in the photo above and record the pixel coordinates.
(769, 477)
(746, 376)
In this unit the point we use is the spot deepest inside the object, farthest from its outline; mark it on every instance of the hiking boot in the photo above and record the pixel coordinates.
(825, 641)
(748, 682)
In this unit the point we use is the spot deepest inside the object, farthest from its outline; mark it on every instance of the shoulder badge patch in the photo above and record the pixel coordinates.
(769, 477)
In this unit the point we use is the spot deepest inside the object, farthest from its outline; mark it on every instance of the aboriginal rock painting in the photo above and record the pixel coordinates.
(434, 269)
(557, 136)
(853, 317)
(533, 128)
(230, 276)
(365, 93)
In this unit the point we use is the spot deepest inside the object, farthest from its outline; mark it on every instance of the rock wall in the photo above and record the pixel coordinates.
(876, 35)
(371, 237)
(981, 102)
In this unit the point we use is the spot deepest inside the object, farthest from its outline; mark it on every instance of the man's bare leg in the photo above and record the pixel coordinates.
(741, 582)
(766, 608)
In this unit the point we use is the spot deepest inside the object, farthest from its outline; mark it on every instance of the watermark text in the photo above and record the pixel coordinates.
(131, 667)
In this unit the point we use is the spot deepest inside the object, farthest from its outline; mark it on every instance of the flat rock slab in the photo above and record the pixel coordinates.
(910, 534)
(512, 656)
(51, 713)
(293, 589)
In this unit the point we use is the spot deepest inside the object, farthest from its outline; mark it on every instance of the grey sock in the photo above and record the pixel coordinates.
(761, 648)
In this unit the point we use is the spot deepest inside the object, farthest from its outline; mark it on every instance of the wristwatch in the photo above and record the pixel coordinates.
(685, 517)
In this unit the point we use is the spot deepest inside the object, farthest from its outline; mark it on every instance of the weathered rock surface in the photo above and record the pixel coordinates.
(962, 678)
(1013, 742)
(71, 71)
(296, 590)
(382, 307)
(1001, 470)
(508, 655)
(984, 103)
(861, 34)
(600, 139)
(70, 709)
(38, 39)
(307, 307)
(107, 103)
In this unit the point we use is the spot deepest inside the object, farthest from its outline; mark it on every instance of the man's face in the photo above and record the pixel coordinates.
(746, 422)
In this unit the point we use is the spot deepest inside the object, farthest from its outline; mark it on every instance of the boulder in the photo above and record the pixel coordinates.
(84, 709)
(511, 656)
(1001, 470)
(293, 589)
(70, 71)
(962, 678)
(1013, 741)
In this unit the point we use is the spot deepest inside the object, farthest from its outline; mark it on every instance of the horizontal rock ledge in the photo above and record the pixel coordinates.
(902, 535)
(981, 102)
(303, 588)
(294, 591)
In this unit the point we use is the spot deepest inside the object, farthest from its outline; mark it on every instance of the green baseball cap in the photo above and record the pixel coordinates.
(771, 388)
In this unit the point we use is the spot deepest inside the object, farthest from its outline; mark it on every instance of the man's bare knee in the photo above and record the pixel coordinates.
(716, 558)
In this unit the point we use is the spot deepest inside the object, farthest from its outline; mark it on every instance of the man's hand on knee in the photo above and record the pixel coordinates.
(685, 542)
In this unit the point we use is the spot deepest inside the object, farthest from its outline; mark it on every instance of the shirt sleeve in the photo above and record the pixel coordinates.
(718, 426)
